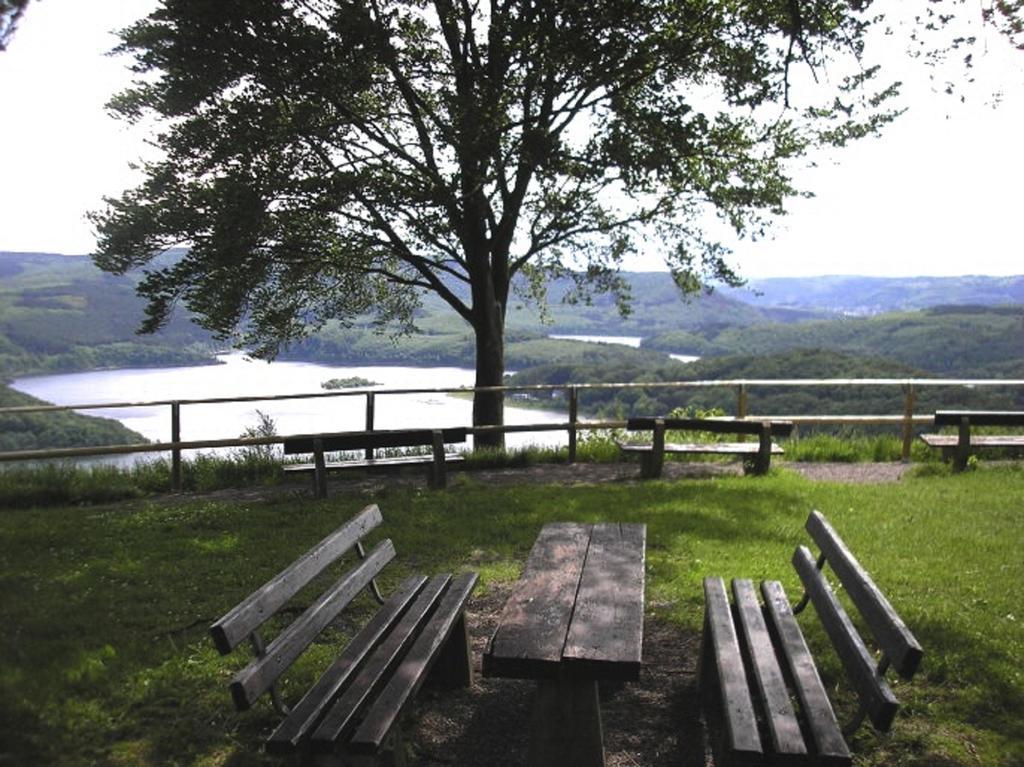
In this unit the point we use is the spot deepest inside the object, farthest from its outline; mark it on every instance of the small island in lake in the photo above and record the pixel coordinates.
(353, 382)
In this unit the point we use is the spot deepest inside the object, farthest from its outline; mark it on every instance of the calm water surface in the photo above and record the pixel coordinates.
(240, 376)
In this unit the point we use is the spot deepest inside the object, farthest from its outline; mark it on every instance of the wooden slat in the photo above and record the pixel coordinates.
(737, 705)
(344, 714)
(605, 637)
(889, 630)
(871, 688)
(306, 714)
(533, 624)
(980, 417)
(713, 425)
(977, 440)
(251, 612)
(409, 676)
(783, 727)
(710, 448)
(362, 463)
(261, 673)
(360, 440)
(815, 706)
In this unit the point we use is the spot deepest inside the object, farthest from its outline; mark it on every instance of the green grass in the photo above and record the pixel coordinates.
(104, 657)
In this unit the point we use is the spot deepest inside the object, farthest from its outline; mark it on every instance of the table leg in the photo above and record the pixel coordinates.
(566, 726)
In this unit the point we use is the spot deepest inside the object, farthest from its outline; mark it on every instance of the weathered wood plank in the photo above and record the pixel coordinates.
(306, 714)
(743, 740)
(344, 714)
(977, 440)
(709, 448)
(252, 611)
(257, 677)
(783, 727)
(829, 745)
(605, 637)
(871, 688)
(360, 440)
(533, 624)
(373, 463)
(890, 631)
(413, 670)
(713, 425)
(980, 417)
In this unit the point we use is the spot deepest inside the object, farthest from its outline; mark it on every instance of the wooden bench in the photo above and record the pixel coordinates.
(368, 441)
(959, 447)
(757, 455)
(754, 661)
(352, 713)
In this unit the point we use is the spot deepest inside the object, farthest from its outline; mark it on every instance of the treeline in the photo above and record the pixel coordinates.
(56, 429)
(764, 400)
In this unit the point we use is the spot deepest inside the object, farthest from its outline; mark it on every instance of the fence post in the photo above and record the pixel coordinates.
(909, 397)
(574, 402)
(370, 404)
(176, 452)
(741, 402)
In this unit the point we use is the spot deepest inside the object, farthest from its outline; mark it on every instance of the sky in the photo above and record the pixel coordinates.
(939, 193)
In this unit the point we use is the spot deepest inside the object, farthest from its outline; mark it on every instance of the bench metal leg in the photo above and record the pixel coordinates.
(653, 461)
(319, 470)
(566, 727)
(438, 470)
(963, 445)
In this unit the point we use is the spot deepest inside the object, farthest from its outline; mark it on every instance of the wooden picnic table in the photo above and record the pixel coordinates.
(575, 617)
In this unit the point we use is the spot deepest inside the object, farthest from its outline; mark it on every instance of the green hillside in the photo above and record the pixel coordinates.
(37, 431)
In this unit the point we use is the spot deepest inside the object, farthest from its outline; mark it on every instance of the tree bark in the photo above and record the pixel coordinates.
(489, 407)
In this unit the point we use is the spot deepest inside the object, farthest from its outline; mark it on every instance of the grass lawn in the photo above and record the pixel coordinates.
(104, 657)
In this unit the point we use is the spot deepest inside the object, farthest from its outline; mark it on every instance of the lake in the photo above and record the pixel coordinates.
(631, 341)
(238, 375)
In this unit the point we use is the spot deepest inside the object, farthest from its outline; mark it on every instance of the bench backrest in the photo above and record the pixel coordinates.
(713, 425)
(898, 646)
(246, 618)
(979, 417)
(360, 440)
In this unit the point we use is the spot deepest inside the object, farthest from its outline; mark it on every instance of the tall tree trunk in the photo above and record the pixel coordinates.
(489, 407)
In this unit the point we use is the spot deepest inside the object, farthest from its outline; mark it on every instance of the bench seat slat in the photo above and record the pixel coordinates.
(607, 628)
(370, 463)
(980, 440)
(251, 612)
(306, 714)
(737, 704)
(871, 687)
(783, 726)
(815, 706)
(343, 715)
(723, 448)
(409, 676)
(261, 673)
(889, 630)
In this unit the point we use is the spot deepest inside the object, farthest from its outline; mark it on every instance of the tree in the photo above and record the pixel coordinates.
(10, 12)
(323, 159)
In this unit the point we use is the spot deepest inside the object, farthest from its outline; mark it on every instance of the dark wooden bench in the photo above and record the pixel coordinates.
(960, 446)
(754, 661)
(353, 711)
(757, 455)
(368, 441)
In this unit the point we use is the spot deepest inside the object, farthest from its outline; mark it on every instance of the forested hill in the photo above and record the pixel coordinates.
(31, 431)
(873, 295)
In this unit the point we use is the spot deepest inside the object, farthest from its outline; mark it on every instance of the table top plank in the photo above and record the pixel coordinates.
(605, 638)
(532, 628)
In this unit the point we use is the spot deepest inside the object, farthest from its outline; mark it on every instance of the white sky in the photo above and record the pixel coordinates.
(939, 193)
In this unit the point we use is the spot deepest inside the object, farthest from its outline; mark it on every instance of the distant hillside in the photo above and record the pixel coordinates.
(37, 431)
(874, 295)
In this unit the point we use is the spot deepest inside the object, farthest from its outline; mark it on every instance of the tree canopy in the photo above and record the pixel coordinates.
(325, 159)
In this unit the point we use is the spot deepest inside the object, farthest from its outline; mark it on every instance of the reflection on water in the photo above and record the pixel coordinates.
(239, 376)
